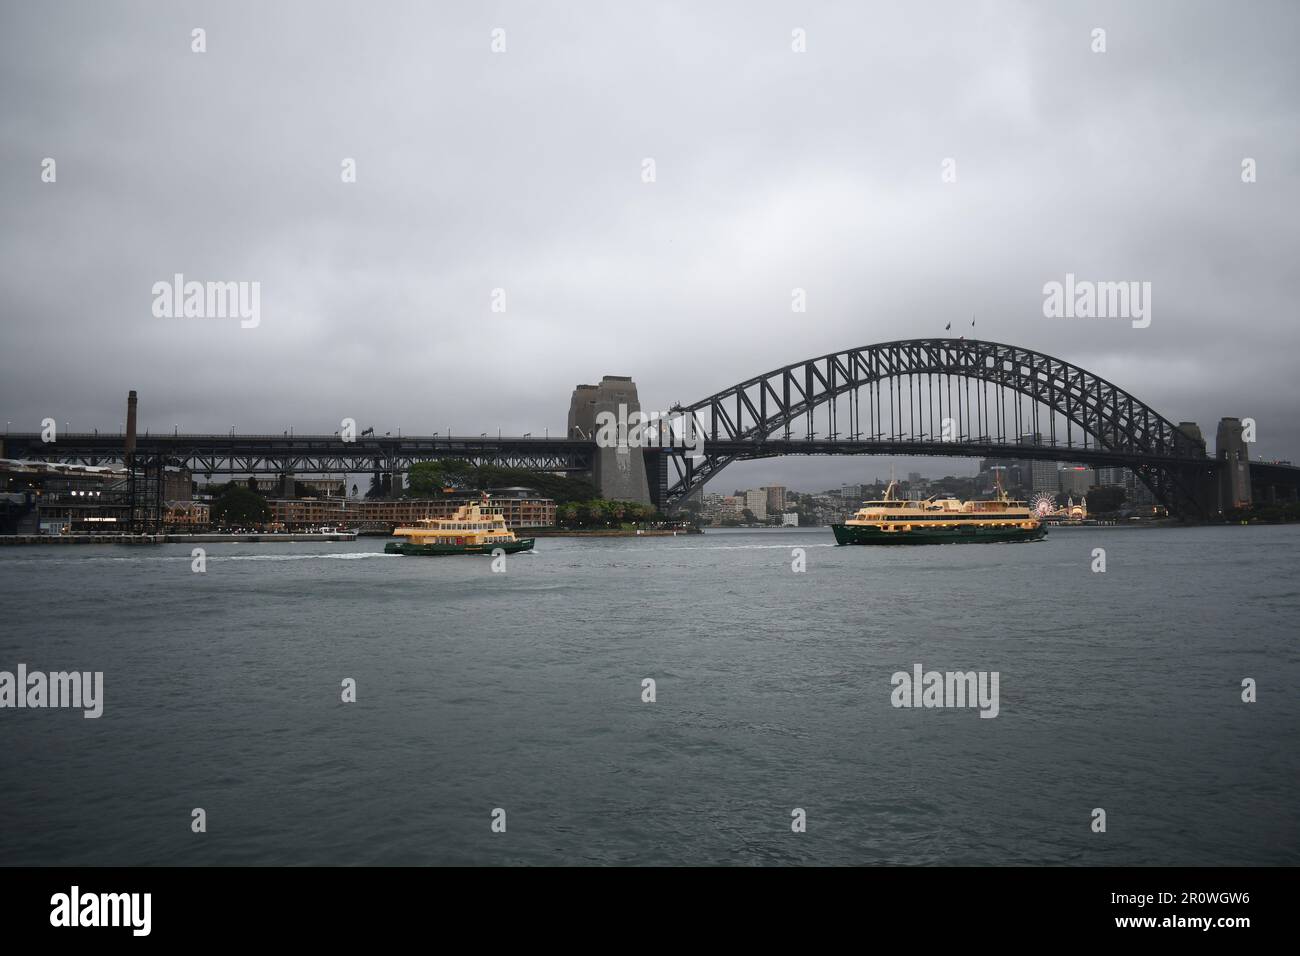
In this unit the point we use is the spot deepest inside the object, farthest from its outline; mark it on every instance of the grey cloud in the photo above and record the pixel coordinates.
(775, 170)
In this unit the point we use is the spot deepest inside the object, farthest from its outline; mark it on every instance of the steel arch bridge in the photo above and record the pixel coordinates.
(942, 397)
(949, 397)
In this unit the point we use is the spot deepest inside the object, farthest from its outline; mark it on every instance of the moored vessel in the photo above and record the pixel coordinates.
(471, 530)
(940, 520)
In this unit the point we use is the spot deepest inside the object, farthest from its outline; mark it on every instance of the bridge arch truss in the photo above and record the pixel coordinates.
(942, 397)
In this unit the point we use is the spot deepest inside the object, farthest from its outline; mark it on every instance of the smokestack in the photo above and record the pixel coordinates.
(130, 427)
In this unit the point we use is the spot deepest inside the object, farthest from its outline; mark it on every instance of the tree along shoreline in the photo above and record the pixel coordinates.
(577, 504)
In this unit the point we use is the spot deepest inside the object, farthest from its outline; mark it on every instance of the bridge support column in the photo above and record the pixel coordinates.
(619, 473)
(656, 466)
(1234, 467)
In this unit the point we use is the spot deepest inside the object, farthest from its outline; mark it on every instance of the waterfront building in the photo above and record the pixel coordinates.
(775, 498)
(300, 513)
(189, 515)
(756, 502)
(790, 519)
(177, 484)
(521, 507)
(55, 497)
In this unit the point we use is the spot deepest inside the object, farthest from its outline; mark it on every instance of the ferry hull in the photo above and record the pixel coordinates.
(865, 534)
(439, 550)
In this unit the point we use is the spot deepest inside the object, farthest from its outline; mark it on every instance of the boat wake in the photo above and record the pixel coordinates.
(747, 547)
(349, 556)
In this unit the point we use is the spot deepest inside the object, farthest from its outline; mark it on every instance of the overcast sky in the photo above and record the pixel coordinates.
(523, 170)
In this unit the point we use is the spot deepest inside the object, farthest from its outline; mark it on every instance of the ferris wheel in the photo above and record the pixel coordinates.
(1042, 504)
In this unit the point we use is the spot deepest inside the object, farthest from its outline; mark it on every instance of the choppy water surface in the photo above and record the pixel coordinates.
(523, 690)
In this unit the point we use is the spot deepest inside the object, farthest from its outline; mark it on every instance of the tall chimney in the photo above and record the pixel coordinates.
(130, 427)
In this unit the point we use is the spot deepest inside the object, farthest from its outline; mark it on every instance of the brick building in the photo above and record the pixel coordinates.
(522, 508)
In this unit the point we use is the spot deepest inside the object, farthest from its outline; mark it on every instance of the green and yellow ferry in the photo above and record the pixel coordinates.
(940, 520)
(471, 530)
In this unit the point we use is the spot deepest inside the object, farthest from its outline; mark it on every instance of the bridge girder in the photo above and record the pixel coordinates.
(223, 455)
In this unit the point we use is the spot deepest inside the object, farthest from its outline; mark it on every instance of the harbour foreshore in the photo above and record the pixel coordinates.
(170, 538)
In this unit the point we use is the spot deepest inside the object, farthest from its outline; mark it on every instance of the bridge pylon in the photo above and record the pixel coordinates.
(619, 473)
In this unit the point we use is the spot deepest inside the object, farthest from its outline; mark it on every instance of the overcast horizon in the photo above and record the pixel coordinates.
(523, 170)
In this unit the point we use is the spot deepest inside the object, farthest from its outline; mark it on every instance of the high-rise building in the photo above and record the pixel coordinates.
(1138, 492)
(756, 502)
(1036, 475)
(1077, 479)
(1116, 476)
(1045, 476)
(775, 498)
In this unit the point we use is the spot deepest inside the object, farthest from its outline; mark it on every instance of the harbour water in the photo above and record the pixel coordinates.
(523, 691)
